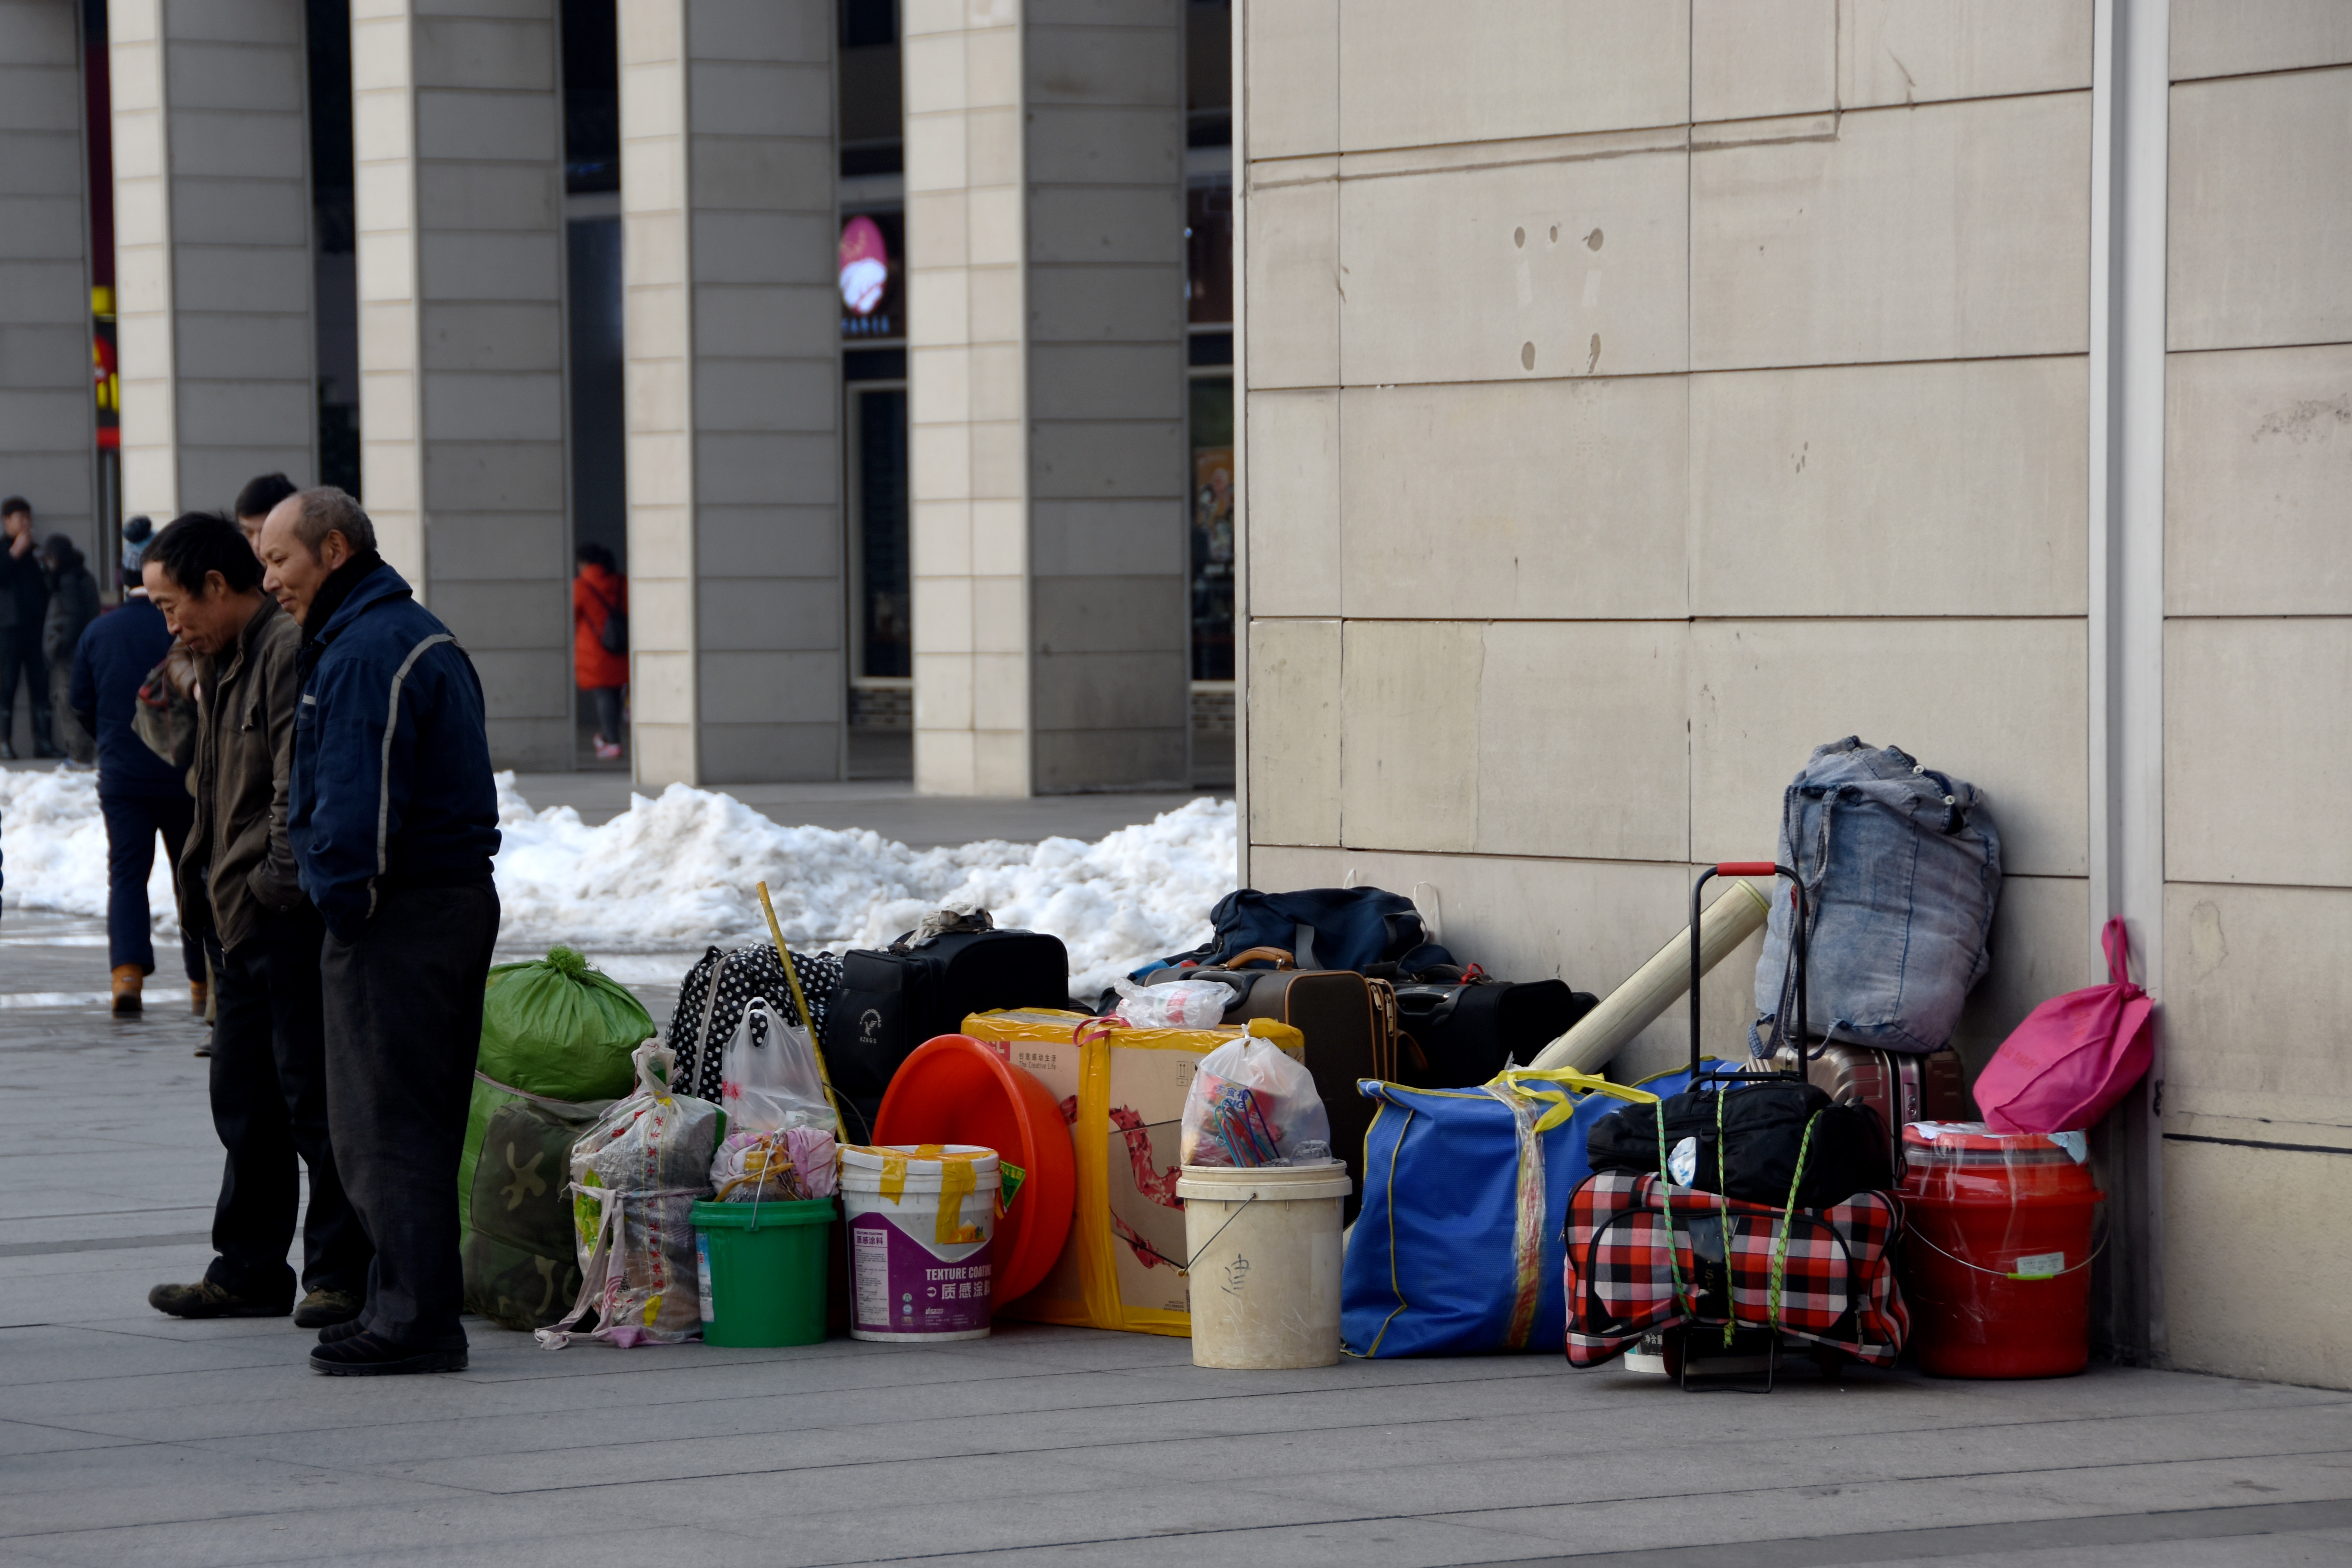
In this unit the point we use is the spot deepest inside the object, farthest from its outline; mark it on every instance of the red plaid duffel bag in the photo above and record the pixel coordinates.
(1824, 1275)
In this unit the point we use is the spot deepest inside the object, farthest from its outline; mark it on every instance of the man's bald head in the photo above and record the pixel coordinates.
(305, 538)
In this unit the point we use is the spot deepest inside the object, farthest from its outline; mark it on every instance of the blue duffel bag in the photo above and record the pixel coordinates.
(1458, 1249)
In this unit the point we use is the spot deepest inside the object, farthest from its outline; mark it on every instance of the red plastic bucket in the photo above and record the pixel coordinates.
(1997, 1267)
(956, 1089)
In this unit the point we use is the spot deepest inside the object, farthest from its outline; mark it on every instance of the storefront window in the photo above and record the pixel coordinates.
(879, 450)
(1212, 528)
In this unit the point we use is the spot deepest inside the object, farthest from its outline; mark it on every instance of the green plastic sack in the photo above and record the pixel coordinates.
(556, 1039)
(555, 1027)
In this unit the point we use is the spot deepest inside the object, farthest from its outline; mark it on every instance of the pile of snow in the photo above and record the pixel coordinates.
(676, 871)
(53, 847)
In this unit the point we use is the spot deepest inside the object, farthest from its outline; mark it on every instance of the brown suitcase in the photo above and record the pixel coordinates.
(1903, 1087)
(1350, 1025)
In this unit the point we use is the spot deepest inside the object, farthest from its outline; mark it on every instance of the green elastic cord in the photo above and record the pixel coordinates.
(1788, 1218)
(1667, 1206)
(1722, 1145)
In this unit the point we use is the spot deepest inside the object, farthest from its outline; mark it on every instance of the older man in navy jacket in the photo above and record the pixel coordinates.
(394, 819)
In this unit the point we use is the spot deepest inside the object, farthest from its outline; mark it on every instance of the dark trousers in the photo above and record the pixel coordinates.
(269, 1106)
(404, 1008)
(608, 713)
(131, 823)
(20, 654)
(72, 740)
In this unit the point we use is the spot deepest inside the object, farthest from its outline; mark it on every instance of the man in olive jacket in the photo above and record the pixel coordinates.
(238, 885)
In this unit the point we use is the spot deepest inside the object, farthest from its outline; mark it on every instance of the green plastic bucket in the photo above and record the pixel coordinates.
(762, 1270)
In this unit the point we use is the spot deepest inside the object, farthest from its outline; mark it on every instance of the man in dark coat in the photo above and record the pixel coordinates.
(393, 819)
(23, 610)
(140, 794)
(73, 606)
(238, 883)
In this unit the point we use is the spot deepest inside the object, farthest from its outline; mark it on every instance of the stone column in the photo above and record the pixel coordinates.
(47, 422)
(213, 275)
(456, 124)
(733, 390)
(1046, 245)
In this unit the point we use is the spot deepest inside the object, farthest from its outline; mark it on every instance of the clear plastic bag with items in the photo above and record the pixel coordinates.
(1174, 1005)
(1250, 1104)
(781, 1128)
(635, 1178)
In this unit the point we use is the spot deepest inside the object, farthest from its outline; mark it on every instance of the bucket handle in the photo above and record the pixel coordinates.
(2097, 1247)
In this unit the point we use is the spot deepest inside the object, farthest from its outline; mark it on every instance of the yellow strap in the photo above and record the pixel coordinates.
(1556, 1088)
(957, 1181)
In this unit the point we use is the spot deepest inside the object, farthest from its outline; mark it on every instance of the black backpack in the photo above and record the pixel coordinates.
(1764, 1127)
(892, 999)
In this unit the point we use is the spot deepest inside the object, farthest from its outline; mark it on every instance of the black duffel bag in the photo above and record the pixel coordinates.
(892, 999)
(1748, 1143)
(1467, 1029)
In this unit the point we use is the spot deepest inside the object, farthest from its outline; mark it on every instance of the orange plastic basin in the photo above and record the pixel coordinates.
(957, 1090)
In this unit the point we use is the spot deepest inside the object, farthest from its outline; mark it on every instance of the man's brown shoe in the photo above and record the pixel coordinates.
(325, 1309)
(206, 1300)
(128, 979)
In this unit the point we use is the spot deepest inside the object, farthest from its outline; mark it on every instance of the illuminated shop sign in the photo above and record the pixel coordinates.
(864, 278)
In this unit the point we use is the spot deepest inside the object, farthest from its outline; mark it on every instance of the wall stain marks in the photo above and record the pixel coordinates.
(1591, 241)
(1526, 356)
(2306, 421)
(2207, 948)
(1593, 359)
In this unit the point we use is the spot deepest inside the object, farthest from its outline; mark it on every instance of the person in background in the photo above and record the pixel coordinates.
(23, 610)
(238, 884)
(73, 605)
(139, 792)
(598, 593)
(394, 817)
(254, 503)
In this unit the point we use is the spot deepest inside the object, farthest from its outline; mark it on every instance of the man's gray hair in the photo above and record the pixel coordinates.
(327, 511)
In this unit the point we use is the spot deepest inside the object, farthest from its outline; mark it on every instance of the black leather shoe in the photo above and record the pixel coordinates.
(336, 1333)
(367, 1354)
(327, 1310)
(206, 1300)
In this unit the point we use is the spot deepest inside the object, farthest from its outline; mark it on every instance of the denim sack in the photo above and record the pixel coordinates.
(1902, 867)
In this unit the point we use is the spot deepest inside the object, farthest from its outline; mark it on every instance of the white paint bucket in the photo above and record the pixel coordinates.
(1265, 1249)
(922, 1229)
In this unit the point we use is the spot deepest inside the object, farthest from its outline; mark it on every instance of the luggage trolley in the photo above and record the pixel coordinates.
(1673, 1352)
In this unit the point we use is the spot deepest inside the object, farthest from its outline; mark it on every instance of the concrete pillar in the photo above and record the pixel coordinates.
(456, 126)
(732, 390)
(1046, 247)
(213, 275)
(46, 419)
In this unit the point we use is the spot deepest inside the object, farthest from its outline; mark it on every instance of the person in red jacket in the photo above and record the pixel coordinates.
(599, 594)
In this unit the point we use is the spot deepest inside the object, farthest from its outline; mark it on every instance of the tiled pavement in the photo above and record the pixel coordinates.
(130, 1438)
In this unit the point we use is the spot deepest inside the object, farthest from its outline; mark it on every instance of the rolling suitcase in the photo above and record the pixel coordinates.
(1901, 1086)
(1654, 1255)
(1350, 1025)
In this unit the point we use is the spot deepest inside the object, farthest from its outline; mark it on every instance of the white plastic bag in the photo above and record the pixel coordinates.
(1174, 1003)
(781, 1129)
(1250, 1104)
(635, 1175)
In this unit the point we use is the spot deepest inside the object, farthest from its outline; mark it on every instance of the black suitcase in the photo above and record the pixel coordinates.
(1466, 1033)
(891, 1000)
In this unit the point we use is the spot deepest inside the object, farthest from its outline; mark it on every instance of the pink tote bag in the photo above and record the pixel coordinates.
(2075, 1055)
